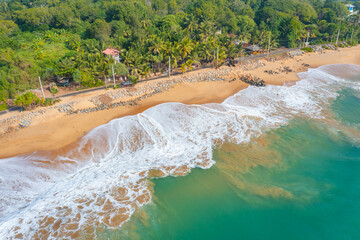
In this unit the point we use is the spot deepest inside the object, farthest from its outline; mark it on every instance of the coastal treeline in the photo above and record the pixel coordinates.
(49, 38)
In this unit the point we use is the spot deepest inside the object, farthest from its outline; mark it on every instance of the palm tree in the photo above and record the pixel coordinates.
(206, 29)
(191, 24)
(189, 64)
(157, 46)
(155, 60)
(183, 67)
(244, 36)
(170, 50)
(94, 46)
(231, 50)
(145, 23)
(145, 72)
(103, 65)
(185, 47)
(355, 20)
(218, 59)
(194, 57)
(134, 61)
(207, 49)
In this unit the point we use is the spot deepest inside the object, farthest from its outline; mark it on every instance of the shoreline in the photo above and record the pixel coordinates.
(54, 130)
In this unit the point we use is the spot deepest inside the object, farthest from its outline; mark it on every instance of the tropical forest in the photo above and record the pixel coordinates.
(49, 38)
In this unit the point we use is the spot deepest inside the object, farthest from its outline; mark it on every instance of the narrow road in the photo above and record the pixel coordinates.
(257, 56)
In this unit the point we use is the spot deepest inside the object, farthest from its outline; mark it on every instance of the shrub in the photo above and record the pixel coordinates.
(119, 69)
(76, 76)
(87, 80)
(99, 83)
(2, 104)
(48, 73)
(133, 79)
(50, 101)
(27, 100)
(307, 49)
(54, 89)
(353, 43)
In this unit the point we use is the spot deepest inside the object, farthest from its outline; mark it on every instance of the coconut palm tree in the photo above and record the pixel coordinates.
(207, 49)
(145, 71)
(206, 29)
(145, 23)
(191, 24)
(185, 47)
(232, 50)
(103, 65)
(244, 37)
(134, 61)
(219, 57)
(171, 50)
(157, 46)
(155, 62)
(194, 57)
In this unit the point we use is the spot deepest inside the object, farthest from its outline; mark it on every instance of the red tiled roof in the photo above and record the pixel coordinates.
(111, 51)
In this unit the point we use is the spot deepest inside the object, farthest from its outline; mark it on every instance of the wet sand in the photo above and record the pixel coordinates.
(55, 130)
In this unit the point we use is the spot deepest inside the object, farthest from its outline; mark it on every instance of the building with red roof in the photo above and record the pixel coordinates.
(112, 52)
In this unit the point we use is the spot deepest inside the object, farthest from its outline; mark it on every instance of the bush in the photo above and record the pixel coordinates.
(307, 49)
(3, 104)
(54, 89)
(50, 101)
(119, 69)
(48, 73)
(99, 83)
(87, 80)
(27, 100)
(353, 43)
(133, 79)
(76, 76)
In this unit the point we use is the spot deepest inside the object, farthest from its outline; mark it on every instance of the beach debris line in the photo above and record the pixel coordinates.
(253, 81)
(285, 69)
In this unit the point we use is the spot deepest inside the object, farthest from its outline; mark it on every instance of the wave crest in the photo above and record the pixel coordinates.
(102, 179)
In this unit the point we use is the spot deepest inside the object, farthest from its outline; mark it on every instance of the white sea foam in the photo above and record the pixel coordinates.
(102, 180)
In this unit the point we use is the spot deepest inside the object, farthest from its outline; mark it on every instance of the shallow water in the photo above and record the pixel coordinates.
(299, 181)
(286, 160)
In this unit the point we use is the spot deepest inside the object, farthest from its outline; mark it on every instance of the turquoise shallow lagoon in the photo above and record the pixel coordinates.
(299, 181)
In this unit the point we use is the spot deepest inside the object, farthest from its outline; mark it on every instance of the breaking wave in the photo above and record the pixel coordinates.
(101, 180)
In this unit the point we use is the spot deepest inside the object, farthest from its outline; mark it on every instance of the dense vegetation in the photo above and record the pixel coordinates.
(65, 37)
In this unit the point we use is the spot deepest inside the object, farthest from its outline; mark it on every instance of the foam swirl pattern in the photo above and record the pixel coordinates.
(101, 180)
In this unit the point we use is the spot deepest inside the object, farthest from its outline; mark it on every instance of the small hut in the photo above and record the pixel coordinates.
(112, 53)
(253, 49)
(350, 7)
(62, 81)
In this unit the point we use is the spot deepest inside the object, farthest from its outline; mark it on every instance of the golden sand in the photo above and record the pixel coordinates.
(55, 130)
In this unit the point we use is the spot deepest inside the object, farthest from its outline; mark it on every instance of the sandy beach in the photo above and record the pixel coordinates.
(54, 129)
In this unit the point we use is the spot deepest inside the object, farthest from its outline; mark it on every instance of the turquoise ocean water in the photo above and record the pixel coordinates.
(278, 162)
(299, 181)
